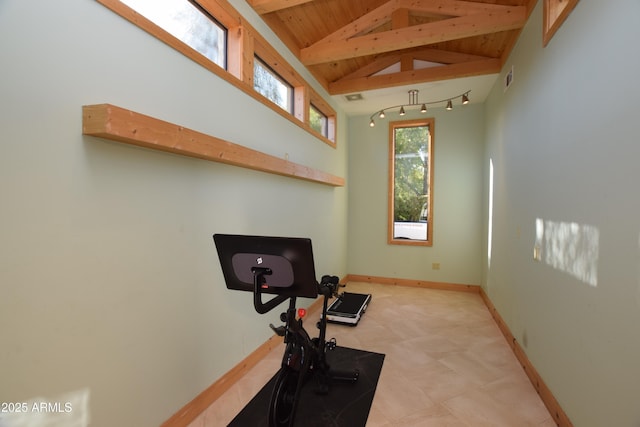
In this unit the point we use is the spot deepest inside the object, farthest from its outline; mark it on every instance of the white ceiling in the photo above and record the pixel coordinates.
(376, 100)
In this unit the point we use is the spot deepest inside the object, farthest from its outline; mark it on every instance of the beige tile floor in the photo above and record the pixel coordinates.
(447, 364)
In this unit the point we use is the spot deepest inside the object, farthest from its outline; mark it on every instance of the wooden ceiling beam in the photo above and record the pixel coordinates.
(443, 57)
(452, 7)
(379, 64)
(446, 56)
(445, 72)
(267, 6)
(417, 35)
(380, 15)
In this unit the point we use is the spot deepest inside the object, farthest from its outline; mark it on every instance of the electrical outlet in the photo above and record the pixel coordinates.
(435, 266)
(537, 253)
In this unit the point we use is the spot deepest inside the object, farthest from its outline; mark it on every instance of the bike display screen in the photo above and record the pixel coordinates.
(289, 259)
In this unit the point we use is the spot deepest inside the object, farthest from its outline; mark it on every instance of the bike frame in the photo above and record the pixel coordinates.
(303, 355)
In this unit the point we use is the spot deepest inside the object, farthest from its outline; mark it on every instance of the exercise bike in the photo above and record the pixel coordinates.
(284, 268)
(304, 357)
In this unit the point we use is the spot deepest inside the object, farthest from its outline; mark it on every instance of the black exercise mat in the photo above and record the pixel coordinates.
(345, 405)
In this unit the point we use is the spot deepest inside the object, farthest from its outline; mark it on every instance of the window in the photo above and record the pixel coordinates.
(322, 118)
(318, 121)
(213, 34)
(272, 86)
(187, 22)
(410, 182)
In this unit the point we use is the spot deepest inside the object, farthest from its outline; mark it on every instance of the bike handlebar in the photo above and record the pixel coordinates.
(329, 285)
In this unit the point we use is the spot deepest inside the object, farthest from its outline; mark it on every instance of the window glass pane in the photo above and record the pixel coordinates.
(317, 120)
(188, 23)
(272, 86)
(411, 207)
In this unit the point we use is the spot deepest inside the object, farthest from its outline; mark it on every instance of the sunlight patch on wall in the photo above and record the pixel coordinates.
(490, 227)
(638, 264)
(569, 247)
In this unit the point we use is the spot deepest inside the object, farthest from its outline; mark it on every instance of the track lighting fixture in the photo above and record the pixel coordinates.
(413, 101)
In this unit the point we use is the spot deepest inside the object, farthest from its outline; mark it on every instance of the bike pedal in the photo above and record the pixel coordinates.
(279, 330)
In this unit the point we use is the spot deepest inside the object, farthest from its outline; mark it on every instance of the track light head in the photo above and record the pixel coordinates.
(449, 105)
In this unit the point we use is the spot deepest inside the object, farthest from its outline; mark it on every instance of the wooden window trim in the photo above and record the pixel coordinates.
(303, 94)
(321, 105)
(325, 121)
(277, 64)
(430, 122)
(291, 103)
(243, 43)
(555, 12)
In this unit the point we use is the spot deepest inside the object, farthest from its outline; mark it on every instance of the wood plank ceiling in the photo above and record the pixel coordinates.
(360, 45)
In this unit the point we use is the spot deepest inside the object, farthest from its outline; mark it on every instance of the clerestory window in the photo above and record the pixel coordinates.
(216, 36)
(272, 86)
(318, 121)
(189, 23)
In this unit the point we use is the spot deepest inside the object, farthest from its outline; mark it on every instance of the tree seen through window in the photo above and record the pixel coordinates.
(410, 198)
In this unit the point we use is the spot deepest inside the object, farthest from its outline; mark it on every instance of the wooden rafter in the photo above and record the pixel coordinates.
(446, 56)
(268, 6)
(452, 7)
(465, 69)
(379, 64)
(359, 45)
(469, 22)
(428, 54)
(371, 20)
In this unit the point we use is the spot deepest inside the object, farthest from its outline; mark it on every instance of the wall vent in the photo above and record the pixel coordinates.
(508, 79)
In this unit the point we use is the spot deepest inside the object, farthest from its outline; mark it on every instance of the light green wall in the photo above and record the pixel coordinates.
(108, 274)
(564, 143)
(457, 200)
(109, 278)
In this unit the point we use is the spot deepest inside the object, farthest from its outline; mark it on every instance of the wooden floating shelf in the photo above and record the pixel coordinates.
(118, 124)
